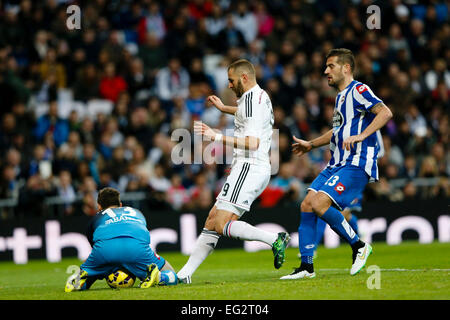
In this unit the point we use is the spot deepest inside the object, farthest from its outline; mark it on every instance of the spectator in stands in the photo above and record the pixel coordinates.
(112, 128)
(31, 195)
(25, 121)
(40, 45)
(9, 186)
(198, 76)
(416, 121)
(47, 90)
(271, 67)
(52, 124)
(215, 22)
(36, 159)
(7, 131)
(158, 181)
(118, 164)
(200, 194)
(441, 189)
(113, 47)
(288, 183)
(442, 159)
(229, 37)
(87, 132)
(138, 80)
(50, 66)
(66, 191)
(177, 195)
(143, 165)
(409, 191)
(86, 86)
(140, 128)
(199, 9)
(439, 71)
(172, 81)
(174, 40)
(89, 192)
(245, 21)
(66, 159)
(94, 160)
(90, 46)
(255, 53)
(162, 149)
(106, 179)
(410, 167)
(152, 22)
(156, 114)
(153, 54)
(428, 167)
(14, 158)
(191, 50)
(73, 143)
(195, 102)
(265, 21)
(111, 84)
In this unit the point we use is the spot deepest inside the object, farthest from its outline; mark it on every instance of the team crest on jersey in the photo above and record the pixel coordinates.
(339, 188)
(361, 88)
(338, 119)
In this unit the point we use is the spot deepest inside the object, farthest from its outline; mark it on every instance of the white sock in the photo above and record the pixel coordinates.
(205, 244)
(244, 231)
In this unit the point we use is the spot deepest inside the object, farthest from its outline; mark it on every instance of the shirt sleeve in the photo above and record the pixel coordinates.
(365, 96)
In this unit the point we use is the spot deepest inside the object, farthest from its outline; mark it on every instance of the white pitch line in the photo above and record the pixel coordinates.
(394, 269)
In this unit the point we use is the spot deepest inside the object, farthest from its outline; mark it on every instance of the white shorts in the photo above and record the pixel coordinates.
(244, 184)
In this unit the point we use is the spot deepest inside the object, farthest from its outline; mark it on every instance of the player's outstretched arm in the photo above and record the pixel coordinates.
(245, 143)
(383, 115)
(219, 105)
(301, 147)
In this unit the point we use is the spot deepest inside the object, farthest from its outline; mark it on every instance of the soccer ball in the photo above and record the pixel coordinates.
(120, 279)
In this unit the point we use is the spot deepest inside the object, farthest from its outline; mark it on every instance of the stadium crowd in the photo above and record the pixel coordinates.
(93, 107)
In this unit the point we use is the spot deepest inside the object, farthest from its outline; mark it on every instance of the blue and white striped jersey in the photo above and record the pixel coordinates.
(351, 117)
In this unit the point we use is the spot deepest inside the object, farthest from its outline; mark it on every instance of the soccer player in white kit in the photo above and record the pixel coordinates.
(250, 170)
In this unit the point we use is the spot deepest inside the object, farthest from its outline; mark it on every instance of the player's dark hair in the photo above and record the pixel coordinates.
(344, 56)
(108, 197)
(243, 65)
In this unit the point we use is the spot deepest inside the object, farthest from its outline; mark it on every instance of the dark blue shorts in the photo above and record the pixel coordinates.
(341, 184)
(107, 256)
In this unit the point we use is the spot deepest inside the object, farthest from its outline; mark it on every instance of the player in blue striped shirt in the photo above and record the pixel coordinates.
(358, 114)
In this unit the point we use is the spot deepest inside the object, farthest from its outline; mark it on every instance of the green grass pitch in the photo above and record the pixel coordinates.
(407, 271)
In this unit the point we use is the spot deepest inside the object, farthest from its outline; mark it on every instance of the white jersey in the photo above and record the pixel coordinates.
(254, 117)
